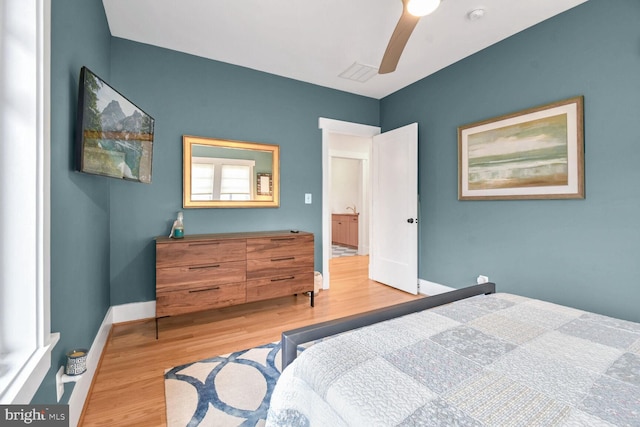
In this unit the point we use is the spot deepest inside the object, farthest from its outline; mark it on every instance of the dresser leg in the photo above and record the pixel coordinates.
(312, 298)
(157, 318)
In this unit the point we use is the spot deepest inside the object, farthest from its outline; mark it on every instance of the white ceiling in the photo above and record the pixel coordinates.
(315, 41)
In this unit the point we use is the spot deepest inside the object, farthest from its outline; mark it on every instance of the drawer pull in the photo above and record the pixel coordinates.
(204, 267)
(204, 244)
(280, 279)
(192, 291)
(283, 238)
(289, 258)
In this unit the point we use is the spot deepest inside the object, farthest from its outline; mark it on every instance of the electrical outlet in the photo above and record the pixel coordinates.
(307, 198)
(59, 383)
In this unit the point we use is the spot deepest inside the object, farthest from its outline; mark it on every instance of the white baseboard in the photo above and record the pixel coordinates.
(81, 389)
(432, 288)
(363, 250)
(115, 314)
(134, 311)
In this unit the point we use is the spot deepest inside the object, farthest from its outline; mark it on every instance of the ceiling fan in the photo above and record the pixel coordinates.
(412, 11)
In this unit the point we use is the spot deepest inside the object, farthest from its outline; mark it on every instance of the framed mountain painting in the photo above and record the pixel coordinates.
(114, 137)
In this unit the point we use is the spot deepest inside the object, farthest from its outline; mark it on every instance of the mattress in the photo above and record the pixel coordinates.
(489, 360)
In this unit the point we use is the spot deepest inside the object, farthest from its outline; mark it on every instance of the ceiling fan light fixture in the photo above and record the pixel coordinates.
(422, 7)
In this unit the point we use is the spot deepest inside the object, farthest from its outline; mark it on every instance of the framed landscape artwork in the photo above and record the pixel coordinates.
(532, 154)
(114, 137)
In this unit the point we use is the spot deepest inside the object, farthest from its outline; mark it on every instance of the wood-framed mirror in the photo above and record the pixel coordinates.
(219, 173)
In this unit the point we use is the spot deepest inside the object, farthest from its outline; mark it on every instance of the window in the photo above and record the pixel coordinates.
(25, 338)
(202, 181)
(235, 182)
(221, 179)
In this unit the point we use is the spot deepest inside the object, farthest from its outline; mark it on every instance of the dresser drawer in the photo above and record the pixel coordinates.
(199, 252)
(279, 246)
(214, 273)
(201, 296)
(260, 289)
(279, 266)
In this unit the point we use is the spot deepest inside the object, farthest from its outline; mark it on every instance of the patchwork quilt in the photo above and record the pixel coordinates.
(489, 360)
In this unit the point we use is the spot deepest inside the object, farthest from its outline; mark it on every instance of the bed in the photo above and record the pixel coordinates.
(470, 357)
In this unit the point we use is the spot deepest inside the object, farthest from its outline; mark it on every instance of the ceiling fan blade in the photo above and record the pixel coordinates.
(399, 38)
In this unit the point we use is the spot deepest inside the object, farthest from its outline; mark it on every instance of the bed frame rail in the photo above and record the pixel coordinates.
(291, 339)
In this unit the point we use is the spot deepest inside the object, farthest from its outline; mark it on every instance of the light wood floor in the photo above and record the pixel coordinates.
(128, 389)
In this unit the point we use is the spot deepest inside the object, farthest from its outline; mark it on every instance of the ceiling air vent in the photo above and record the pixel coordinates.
(359, 72)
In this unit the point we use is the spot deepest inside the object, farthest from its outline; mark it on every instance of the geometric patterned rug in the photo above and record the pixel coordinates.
(229, 390)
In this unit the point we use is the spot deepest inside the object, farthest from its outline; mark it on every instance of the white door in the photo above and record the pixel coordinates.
(394, 214)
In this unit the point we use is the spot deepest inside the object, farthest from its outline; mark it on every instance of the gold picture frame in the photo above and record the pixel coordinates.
(211, 154)
(536, 153)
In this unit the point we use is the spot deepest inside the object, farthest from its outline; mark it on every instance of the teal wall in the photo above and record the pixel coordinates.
(188, 95)
(102, 229)
(581, 253)
(79, 203)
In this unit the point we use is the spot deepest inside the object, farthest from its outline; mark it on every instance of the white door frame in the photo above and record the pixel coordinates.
(328, 127)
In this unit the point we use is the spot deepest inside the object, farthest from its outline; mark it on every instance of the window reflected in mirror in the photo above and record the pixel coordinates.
(223, 173)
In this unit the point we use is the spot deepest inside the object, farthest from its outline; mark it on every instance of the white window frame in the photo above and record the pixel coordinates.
(195, 168)
(217, 172)
(26, 371)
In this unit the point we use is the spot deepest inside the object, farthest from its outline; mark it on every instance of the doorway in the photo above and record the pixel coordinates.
(348, 209)
(352, 142)
(350, 191)
(391, 197)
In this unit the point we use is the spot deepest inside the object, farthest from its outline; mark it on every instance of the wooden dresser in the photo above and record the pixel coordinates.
(201, 272)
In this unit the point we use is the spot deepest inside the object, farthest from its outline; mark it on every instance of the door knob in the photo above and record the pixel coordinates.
(410, 220)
